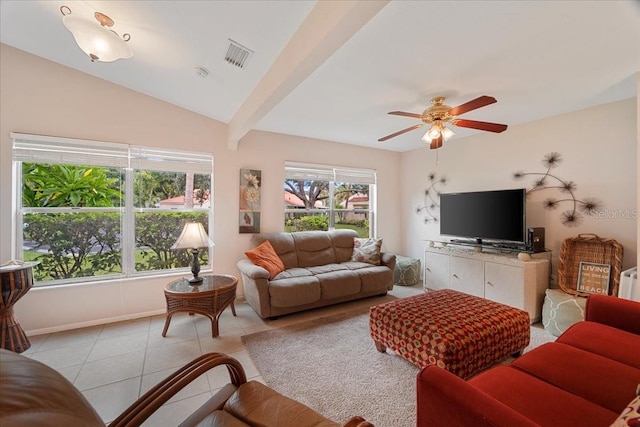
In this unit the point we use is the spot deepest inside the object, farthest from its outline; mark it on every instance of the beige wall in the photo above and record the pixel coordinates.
(41, 97)
(602, 162)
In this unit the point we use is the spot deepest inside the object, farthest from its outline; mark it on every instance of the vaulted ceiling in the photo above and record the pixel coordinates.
(333, 69)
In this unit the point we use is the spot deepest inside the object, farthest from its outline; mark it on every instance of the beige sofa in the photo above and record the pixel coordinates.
(318, 272)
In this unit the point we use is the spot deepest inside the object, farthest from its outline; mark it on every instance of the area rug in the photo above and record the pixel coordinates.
(331, 365)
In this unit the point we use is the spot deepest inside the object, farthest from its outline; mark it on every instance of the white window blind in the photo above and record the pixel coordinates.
(306, 171)
(171, 160)
(355, 176)
(48, 149)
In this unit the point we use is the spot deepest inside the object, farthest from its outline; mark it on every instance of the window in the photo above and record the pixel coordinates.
(93, 211)
(318, 197)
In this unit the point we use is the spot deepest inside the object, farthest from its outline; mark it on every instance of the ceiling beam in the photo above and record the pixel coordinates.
(327, 27)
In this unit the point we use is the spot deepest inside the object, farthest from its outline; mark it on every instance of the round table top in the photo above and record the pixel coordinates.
(210, 282)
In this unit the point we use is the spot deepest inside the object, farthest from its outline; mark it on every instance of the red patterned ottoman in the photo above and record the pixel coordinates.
(461, 333)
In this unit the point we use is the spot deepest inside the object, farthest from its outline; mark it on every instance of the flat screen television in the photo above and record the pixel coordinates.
(496, 216)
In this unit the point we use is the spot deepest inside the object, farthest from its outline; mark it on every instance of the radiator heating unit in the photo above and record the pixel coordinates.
(629, 288)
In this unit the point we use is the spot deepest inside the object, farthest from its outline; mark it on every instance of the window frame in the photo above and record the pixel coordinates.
(129, 158)
(335, 175)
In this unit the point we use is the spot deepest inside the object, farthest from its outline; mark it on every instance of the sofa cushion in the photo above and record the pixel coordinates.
(367, 250)
(256, 404)
(327, 268)
(343, 243)
(540, 401)
(605, 341)
(314, 248)
(338, 284)
(265, 256)
(446, 400)
(283, 244)
(356, 265)
(600, 380)
(375, 277)
(294, 291)
(293, 272)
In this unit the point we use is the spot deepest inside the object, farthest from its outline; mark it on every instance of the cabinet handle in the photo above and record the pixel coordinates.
(489, 283)
(455, 275)
(428, 269)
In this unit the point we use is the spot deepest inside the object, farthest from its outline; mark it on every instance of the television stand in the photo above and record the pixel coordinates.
(496, 274)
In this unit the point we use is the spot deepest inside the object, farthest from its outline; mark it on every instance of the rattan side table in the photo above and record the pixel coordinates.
(209, 298)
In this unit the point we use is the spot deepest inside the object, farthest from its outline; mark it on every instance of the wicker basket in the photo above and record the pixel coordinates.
(588, 248)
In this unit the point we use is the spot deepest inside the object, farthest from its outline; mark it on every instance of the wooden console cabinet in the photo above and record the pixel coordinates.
(500, 277)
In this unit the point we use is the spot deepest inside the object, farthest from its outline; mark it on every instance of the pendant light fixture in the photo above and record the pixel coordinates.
(97, 40)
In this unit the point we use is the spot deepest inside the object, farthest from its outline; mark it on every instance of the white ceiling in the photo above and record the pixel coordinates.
(333, 69)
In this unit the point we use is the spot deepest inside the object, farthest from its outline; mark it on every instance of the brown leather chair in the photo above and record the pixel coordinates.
(33, 394)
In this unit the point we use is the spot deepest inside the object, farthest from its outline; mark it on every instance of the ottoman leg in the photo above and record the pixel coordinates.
(380, 347)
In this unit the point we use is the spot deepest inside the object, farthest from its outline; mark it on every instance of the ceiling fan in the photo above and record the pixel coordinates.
(439, 114)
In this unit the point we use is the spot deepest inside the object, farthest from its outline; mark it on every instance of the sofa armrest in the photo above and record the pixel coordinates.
(388, 259)
(615, 312)
(255, 284)
(445, 400)
(251, 270)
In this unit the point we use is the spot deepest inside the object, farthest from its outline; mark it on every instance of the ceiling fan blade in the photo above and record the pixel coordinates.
(400, 132)
(472, 105)
(436, 143)
(404, 113)
(473, 124)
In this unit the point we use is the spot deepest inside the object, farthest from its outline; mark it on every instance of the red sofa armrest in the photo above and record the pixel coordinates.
(446, 400)
(615, 312)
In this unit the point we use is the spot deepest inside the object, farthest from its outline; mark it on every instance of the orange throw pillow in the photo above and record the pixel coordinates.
(266, 257)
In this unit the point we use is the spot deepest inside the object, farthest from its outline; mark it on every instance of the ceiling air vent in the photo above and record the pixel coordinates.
(237, 54)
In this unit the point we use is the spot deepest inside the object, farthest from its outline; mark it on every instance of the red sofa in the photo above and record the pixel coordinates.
(587, 377)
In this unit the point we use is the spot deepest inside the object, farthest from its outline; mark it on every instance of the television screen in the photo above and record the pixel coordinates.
(491, 215)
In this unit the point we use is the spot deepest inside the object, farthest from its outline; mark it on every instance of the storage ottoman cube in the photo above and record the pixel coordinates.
(407, 271)
(461, 333)
(561, 310)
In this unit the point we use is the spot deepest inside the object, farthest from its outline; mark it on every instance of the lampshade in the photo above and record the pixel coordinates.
(447, 133)
(193, 236)
(96, 39)
(436, 130)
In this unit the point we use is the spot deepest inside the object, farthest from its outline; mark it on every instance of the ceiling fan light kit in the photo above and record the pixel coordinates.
(97, 40)
(439, 114)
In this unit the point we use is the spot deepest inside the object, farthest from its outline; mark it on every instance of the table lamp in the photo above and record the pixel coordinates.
(193, 237)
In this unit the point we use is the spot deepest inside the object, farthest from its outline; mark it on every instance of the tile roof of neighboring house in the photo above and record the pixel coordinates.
(179, 201)
(293, 200)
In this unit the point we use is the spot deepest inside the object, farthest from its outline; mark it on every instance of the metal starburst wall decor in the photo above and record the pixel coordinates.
(431, 198)
(547, 181)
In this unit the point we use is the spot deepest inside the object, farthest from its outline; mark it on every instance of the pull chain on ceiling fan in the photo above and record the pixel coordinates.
(439, 114)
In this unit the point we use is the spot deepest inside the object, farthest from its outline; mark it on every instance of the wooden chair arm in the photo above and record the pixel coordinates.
(357, 422)
(153, 399)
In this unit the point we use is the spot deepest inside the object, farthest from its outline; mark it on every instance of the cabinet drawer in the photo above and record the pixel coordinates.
(467, 275)
(436, 271)
(504, 284)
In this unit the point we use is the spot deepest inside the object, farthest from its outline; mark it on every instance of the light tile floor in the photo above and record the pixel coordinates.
(115, 363)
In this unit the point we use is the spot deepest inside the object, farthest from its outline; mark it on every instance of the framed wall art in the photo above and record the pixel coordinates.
(250, 197)
(594, 278)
